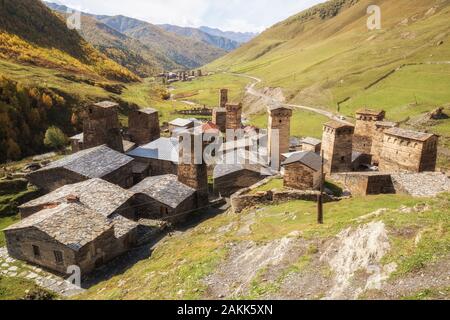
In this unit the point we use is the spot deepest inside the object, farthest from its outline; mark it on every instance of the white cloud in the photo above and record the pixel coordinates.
(234, 15)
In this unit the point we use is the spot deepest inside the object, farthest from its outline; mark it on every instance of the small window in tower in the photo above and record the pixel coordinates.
(343, 159)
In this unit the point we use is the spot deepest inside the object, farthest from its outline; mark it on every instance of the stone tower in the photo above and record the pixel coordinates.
(337, 146)
(101, 126)
(192, 169)
(219, 118)
(234, 116)
(365, 129)
(143, 126)
(279, 129)
(223, 98)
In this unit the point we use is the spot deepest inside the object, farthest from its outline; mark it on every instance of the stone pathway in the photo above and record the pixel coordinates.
(10, 267)
(427, 184)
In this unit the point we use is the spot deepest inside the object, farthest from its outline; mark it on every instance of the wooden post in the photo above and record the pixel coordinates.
(320, 197)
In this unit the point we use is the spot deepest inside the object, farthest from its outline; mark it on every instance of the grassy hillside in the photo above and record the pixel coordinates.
(275, 252)
(126, 51)
(184, 51)
(326, 55)
(31, 34)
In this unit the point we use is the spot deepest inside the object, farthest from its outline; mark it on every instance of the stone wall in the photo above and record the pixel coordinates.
(365, 131)
(366, 183)
(101, 126)
(406, 155)
(143, 127)
(337, 147)
(234, 116)
(12, 186)
(301, 177)
(280, 121)
(245, 199)
(52, 179)
(219, 118)
(378, 141)
(223, 99)
(122, 177)
(231, 183)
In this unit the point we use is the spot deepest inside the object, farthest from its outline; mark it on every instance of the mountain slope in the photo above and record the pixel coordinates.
(182, 50)
(125, 50)
(240, 37)
(199, 35)
(326, 56)
(30, 33)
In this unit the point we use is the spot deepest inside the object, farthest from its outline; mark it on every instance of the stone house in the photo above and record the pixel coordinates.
(223, 98)
(302, 170)
(378, 139)
(230, 178)
(97, 194)
(70, 234)
(161, 155)
(98, 162)
(337, 146)
(408, 151)
(310, 144)
(164, 198)
(143, 126)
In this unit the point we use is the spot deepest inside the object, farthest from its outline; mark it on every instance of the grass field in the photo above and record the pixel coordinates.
(178, 266)
(205, 90)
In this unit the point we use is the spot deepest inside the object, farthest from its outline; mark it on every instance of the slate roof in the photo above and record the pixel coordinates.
(127, 145)
(222, 170)
(106, 104)
(278, 106)
(162, 149)
(337, 124)
(409, 134)
(96, 194)
(311, 141)
(92, 163)
(370, 112)
(165, 189)
(79, 137)
(181, 122)
(309, 159)
(148, 110)
(71, 224)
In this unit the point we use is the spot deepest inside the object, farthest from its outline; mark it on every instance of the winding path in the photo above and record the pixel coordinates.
(254, 92)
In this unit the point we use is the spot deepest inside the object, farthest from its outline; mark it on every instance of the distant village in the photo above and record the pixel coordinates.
(118, 189)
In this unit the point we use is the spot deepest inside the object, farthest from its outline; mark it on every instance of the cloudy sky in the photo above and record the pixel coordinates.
(232, 15)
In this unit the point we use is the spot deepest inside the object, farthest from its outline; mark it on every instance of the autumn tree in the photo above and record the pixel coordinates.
(55, 138)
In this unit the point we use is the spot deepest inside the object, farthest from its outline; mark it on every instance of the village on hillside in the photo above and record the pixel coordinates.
(120, 189)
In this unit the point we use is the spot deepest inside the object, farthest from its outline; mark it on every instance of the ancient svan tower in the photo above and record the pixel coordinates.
(378, 139)
(408, 151)
(337, 146)
(144, 126)
(234, 116)
(279, 131)
(192, 169)
(219, 118)
(365, 128)
(223, 99)
(101, 126)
